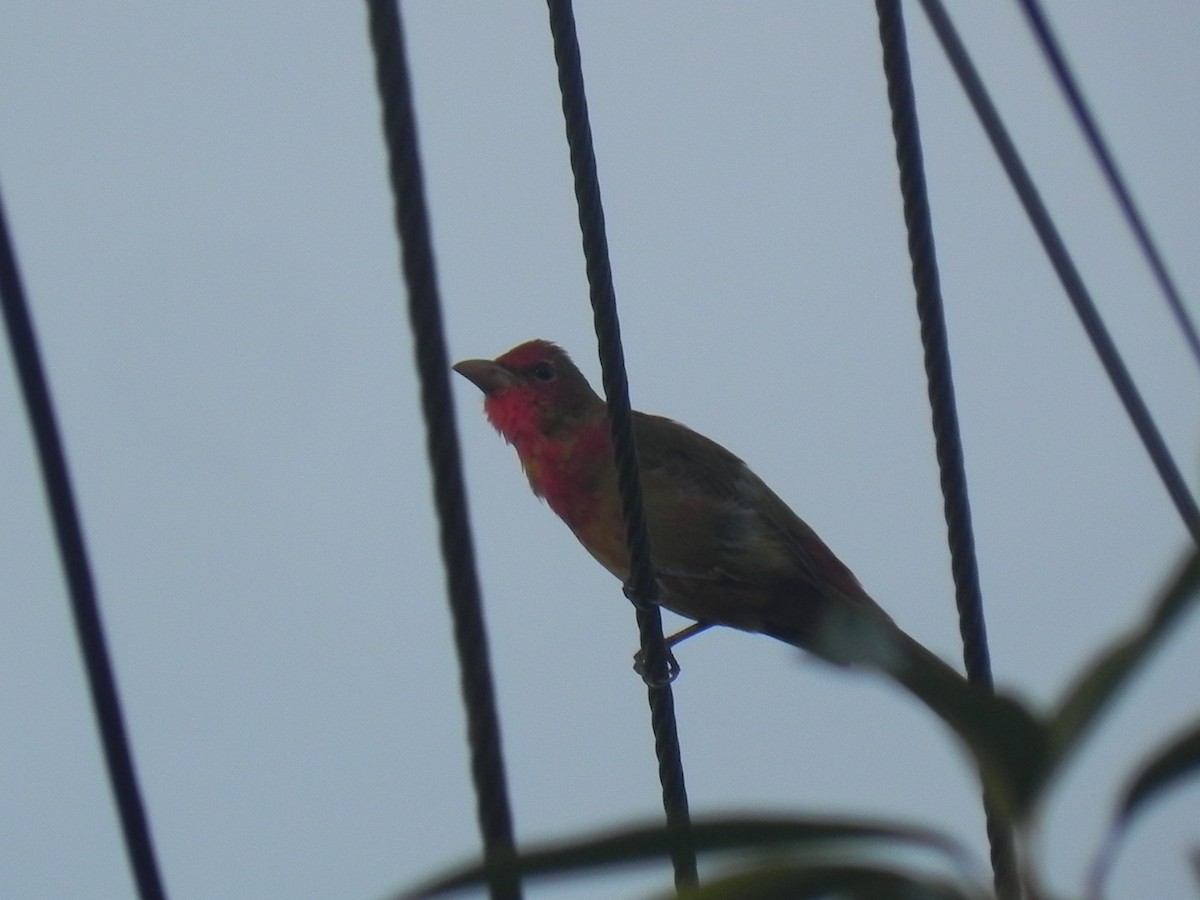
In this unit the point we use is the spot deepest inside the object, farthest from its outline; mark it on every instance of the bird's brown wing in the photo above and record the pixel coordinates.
(728, 548)
(730, 552)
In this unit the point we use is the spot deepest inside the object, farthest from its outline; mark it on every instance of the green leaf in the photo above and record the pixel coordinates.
(1174, 761)
(789, 882)
(1177, 760)
(639, 844)
(1095, 691)
(1010, 744)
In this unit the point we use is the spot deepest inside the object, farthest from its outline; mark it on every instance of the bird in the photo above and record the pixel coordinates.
(726, 549)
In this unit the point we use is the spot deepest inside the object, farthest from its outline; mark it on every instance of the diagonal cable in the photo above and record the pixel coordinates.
(72, 551)
(955, 503)
(1072, 283)
(642, 587)
(458, 555)
(1087, 123)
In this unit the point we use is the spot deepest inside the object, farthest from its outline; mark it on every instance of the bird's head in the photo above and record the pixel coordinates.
(533, 391)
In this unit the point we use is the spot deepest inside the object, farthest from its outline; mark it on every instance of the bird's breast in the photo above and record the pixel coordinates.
(576, 477)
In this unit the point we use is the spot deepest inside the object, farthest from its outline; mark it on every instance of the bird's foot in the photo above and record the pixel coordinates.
(639, 658)
(656, 679)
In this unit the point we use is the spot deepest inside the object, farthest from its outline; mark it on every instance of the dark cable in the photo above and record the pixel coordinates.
(458, 555)
(1070, 88)
(1056, 250)
(955, 503)
(642, 587)
(85, 606)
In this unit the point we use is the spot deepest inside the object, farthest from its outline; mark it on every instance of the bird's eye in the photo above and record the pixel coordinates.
(543, 371)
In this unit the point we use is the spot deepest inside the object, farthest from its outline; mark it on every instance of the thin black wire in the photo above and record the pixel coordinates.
(85, 607)
(458, 555)
(1056, 250)
(642, 587)
(955, 502)
(1070, 88)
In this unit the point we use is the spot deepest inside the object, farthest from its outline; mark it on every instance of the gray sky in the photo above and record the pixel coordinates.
(200, 205)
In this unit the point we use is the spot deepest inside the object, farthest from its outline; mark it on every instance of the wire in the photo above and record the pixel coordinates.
(956, 506)
(933, 339)
(1056, 250)
(89, 629)
(642, 587)
(458, 555)
(1087, 123)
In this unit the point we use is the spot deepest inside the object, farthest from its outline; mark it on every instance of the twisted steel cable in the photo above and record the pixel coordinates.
(642, 588)
(72, 551)
(939, 378)
(458, 554)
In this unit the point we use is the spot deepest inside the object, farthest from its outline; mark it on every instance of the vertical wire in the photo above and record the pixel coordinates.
(956, 505)
(458, 554)
(642, 587)
(72, 551)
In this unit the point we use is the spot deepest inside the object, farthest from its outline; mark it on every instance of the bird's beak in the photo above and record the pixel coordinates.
(486, 375)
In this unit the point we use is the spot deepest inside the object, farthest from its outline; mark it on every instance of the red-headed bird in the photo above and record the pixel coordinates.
(726, 549)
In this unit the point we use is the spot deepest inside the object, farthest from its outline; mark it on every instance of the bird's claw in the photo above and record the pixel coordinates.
(653, 679)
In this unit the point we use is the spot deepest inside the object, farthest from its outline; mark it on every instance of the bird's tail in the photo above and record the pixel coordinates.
(932, 680)
(1005, 739)
(862, 635)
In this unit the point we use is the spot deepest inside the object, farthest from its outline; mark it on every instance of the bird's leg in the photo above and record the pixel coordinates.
(684, 633)
(639, 658)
